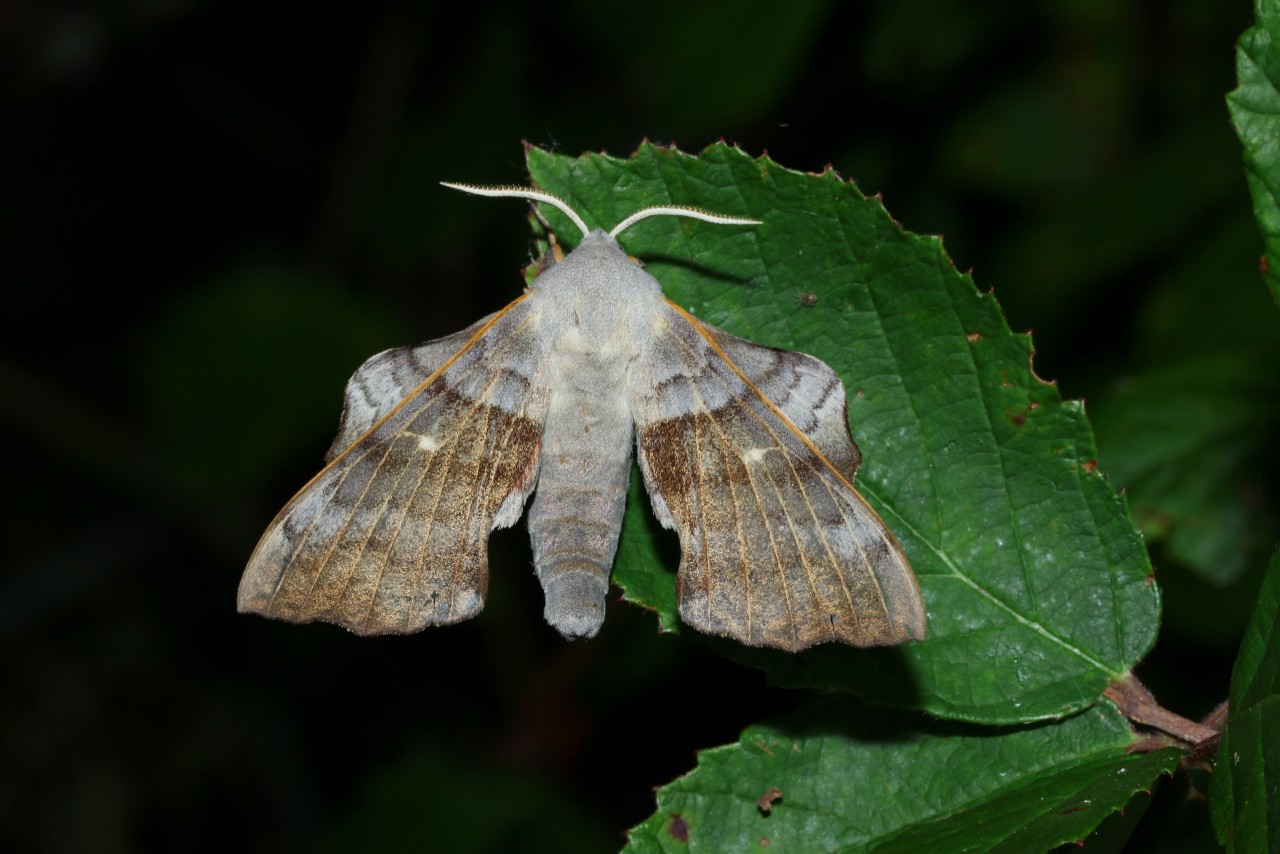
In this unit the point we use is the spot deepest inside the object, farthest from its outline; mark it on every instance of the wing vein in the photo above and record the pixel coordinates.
(835, 495)
(311, 525)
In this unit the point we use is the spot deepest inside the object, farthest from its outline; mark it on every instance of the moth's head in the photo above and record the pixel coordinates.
(563, 207)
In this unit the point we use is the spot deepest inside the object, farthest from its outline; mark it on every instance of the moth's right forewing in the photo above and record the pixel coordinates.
(392, 535)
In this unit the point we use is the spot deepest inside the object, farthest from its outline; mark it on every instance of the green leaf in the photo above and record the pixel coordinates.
(1255, 110)
(1245, 792)
(1037, 586)
(848, 779)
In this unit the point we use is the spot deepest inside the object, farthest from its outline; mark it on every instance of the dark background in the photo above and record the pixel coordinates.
(212, 213)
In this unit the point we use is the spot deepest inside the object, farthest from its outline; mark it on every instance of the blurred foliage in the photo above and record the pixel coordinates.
(251, 338)
(211, 213)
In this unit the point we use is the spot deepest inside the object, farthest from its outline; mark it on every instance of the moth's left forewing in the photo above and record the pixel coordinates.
(392, 535)
(746, 453)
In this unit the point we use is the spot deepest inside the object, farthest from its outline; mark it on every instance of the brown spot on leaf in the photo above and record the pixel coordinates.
(678, 828)
(1264, 266)
(1016, 417)
(1090, 467)
(974, 337)
(807, 299)
(766, 801)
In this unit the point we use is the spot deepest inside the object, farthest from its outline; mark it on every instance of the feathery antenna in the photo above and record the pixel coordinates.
(563, 207)
(679, 210)
(523, 193)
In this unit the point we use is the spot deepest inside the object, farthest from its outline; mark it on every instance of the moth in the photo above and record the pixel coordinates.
(745, 452)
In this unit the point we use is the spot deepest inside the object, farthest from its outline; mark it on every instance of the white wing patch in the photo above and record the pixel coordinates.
(426, 443)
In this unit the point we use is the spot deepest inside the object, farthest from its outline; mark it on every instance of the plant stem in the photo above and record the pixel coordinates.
(1137, 704)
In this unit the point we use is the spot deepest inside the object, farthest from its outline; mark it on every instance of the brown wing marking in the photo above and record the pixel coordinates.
(726, 607)
(729, 460)
(797, 540)
(778, 493)
(367, 545)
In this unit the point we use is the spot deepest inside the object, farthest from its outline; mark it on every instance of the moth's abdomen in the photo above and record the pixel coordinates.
(577, 510)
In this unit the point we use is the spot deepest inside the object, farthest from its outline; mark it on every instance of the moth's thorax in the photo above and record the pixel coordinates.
(599, 268)
(590, 303)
